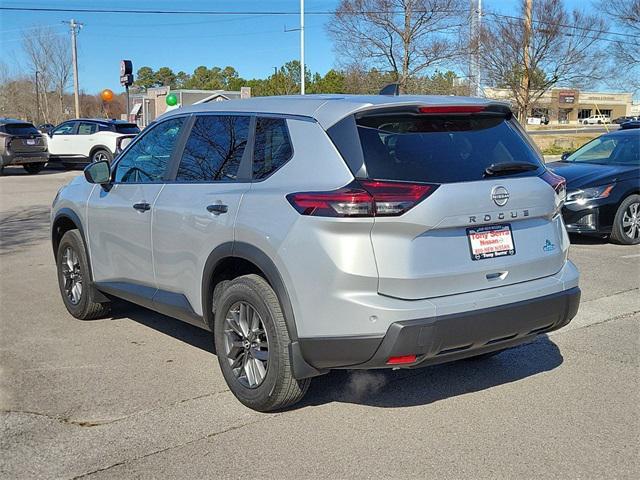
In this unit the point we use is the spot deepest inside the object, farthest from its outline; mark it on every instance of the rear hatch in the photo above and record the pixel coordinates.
(24, 138)
(490, 217)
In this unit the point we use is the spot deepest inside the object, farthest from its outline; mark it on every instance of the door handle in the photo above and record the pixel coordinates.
(142, 206)
(217, 208)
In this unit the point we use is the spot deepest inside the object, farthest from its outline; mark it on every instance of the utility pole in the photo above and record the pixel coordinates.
(525, 74)
(37, 99)
(474, 41)
(301, 47)
(75, 28)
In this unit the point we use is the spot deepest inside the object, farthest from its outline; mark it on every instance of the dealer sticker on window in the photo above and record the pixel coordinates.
(490, 241)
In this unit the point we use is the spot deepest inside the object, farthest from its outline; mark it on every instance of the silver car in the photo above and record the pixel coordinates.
(325, 232)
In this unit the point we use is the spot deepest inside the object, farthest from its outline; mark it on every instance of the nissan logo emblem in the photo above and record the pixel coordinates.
(500, 195)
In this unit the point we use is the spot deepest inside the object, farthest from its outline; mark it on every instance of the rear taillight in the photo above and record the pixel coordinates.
(364, 198)
(558, 183)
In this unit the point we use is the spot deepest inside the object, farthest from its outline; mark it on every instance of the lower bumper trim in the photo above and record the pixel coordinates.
(449, 337)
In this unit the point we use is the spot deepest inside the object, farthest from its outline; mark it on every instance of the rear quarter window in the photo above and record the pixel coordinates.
(127, 128)
(440, 149)
(272, 147)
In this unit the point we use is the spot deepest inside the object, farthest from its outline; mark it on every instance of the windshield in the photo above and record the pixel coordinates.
(609, 149)
(442, 149)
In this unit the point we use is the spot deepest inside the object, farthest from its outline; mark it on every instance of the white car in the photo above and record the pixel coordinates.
(88, 140)
(596, 119)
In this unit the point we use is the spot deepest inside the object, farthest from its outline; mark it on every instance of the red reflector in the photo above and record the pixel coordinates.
(452, 109)
(401, 359)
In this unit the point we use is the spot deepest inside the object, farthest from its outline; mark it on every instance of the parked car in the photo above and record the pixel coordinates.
(620, 120)
(325, 232)
(596, 119)
(603, 187)
(630, 124)
(22, 144)
(88, 140)
(46, 127)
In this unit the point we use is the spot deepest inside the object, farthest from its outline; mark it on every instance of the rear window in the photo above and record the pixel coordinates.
(20, 129)
(127, 128)
(440, 149)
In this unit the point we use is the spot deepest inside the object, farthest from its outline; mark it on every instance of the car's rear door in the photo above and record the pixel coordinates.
(492, 220)
(85, 138)
(60, 142)
(196, 210)
(119, 217)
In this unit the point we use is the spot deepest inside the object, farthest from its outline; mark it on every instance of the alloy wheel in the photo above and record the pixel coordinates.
(246, 344)
(100, 157)
(631, 221)
(72, 275)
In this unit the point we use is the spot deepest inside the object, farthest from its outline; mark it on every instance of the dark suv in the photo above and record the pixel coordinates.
(22, 144)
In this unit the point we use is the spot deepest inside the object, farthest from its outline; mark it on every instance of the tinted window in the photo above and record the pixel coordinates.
(104, 128)
(214, 149)
(440, 149)
(147, 160)
(272, 146)
(20, 129)
(618, 149)
(86, 128)
(65, 129)
(128, 128)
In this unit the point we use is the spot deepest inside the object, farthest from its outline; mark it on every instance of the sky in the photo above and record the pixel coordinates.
(253, 44)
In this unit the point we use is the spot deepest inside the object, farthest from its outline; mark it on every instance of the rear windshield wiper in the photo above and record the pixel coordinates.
(508, 168)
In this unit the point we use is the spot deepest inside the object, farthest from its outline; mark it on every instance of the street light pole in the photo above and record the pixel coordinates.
(37, 99)
(302, 47)
(75, 28)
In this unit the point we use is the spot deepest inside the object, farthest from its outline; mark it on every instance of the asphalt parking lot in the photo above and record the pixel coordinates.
(140, 395)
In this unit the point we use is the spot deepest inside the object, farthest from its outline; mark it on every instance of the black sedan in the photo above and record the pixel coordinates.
(603, 187)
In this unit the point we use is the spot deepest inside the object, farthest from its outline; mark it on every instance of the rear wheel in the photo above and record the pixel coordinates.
(74, 279)
(101, 156)
(252, 341)
(33, 168)
(626, 224)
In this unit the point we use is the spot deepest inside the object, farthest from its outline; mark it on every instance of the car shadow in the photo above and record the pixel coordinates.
(384, 388)
(23, 227)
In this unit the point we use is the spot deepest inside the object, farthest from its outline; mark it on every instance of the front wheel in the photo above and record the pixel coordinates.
(74, 279)
(626, 224)
(33, 168)
(252, 342)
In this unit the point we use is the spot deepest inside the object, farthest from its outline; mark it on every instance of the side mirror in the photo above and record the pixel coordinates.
(565, 155)
(98, 172)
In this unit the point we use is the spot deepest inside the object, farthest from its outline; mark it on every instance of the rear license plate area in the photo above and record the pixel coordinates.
(490, 241)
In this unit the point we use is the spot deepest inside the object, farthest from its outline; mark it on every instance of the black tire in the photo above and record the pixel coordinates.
(85, 307)
(599, 122)
(618, 234)
(278, 389)
(33, 168)
(585, 123)
(100, 155)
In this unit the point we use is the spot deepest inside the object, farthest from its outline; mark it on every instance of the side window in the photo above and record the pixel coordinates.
(64, 129)
(86, 128)
(104, 128)
(272, 146)
(214, 149)
(147, 160)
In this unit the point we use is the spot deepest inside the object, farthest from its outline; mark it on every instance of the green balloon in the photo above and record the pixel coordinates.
(172, 100)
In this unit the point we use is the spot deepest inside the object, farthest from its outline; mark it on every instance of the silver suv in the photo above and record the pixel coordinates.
(322, 232)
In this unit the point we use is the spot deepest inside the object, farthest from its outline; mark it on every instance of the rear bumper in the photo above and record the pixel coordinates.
(446, 338)
(20, 158)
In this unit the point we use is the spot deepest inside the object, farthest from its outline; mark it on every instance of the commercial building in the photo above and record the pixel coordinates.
(146, 107)
(570, 105)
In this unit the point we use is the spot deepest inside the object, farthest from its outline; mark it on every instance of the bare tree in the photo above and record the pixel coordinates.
(49, 54)
(624, 17)
(563, 49)
(402, 37)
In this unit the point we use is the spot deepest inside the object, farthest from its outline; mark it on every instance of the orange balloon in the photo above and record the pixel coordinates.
(106, 95)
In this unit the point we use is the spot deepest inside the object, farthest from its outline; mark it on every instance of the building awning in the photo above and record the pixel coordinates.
(136, 109)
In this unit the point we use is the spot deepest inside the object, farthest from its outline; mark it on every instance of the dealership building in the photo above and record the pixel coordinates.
(571, 106)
